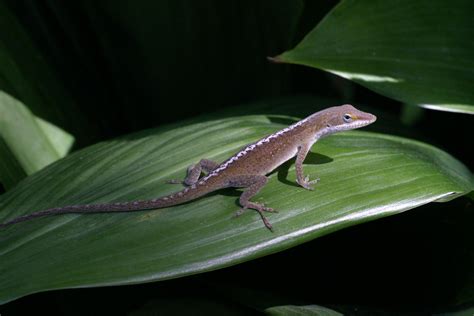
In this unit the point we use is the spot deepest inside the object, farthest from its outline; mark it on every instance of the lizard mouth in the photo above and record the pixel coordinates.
(364, 121)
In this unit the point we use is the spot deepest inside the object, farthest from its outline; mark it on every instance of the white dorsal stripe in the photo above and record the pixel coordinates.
(251, 147)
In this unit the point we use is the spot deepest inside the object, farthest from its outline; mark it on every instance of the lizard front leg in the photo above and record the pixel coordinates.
(194, 172)
(253, 183)
(300, 178)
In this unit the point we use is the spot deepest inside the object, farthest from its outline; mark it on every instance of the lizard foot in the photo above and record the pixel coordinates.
(308, 184)
(260, 208)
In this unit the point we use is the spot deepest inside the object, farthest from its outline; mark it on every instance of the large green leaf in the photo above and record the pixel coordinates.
(364, 176)
(28, 143)
(417, 52)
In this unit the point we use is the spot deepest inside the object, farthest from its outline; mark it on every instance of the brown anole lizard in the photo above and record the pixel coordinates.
(246, 169)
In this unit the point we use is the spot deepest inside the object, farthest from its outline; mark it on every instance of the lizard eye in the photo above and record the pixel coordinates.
(347, 118)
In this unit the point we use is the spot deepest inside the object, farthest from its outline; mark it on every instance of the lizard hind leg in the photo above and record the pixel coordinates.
(253, 183)
(194, 172)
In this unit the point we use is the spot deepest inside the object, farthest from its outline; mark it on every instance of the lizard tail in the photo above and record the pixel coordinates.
(187, 194)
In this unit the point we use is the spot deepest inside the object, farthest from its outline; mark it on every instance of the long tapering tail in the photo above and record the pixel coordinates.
(187, 194)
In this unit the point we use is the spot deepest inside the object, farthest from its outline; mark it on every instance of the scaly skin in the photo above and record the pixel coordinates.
(246, 169)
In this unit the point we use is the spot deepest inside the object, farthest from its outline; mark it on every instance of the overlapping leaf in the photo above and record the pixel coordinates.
(418, 52)
(28, 143)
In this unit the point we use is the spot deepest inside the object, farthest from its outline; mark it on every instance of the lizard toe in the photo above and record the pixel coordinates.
(269, 209)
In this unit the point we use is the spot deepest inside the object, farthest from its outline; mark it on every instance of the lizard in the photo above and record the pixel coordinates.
(246, 169)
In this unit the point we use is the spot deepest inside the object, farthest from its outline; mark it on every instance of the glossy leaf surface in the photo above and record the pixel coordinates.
(418, 52)
(364, 176)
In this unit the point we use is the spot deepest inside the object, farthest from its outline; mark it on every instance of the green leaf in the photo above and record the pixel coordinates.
(58, 138)
(28, 143)
(301, 310)
(364, 176)
(11, 171)
(417, 52)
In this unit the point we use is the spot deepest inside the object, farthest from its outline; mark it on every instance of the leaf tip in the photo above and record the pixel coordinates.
(275, 60)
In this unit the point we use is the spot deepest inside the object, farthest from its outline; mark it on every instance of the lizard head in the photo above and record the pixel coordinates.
(345, 117)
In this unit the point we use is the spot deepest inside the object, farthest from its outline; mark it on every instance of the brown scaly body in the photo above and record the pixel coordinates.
(246, 169)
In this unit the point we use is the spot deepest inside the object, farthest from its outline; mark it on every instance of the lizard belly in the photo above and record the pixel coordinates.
(279, 158)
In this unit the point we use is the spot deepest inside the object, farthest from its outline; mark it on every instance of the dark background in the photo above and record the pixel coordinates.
(115, 67)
